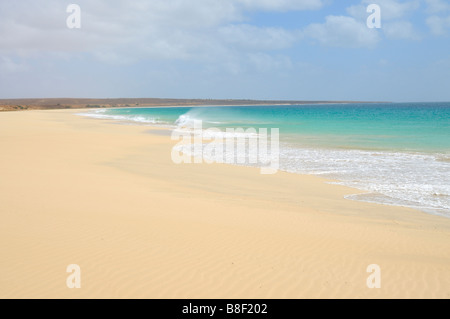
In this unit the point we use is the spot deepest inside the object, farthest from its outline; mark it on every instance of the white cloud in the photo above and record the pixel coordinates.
(393, 13)
(341, 31)
(118, 31)
(257, 38)
(390, 9)
(438, 25)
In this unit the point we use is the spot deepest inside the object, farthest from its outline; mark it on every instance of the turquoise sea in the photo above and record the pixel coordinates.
(399, 153)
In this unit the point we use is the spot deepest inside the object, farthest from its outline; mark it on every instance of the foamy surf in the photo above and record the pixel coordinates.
(395, 178)
(102, 114)
(398, 154)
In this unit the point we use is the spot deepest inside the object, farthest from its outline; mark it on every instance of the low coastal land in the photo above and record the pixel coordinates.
(70, 103)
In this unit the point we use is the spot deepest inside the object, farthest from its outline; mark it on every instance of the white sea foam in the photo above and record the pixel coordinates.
(101, 114)
(396, 178)
(188, 121)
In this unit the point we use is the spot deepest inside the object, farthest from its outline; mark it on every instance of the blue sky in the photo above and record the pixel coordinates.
(254, 49)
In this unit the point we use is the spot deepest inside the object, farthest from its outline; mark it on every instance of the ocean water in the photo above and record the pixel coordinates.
(398, 153)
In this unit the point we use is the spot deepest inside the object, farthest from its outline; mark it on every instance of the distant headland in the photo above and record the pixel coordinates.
(82, 103)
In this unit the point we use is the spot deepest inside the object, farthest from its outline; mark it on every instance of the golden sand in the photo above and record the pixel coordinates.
(108, 198)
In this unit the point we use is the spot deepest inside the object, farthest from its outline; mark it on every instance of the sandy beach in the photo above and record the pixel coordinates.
(107, 197)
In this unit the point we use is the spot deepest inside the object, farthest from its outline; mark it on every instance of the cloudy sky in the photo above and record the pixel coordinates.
(256, 49)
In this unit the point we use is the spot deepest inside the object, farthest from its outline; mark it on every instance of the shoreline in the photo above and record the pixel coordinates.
(108, 197)
(360, 191)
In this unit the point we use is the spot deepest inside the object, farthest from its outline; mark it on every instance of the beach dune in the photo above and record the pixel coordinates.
(108, 198)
